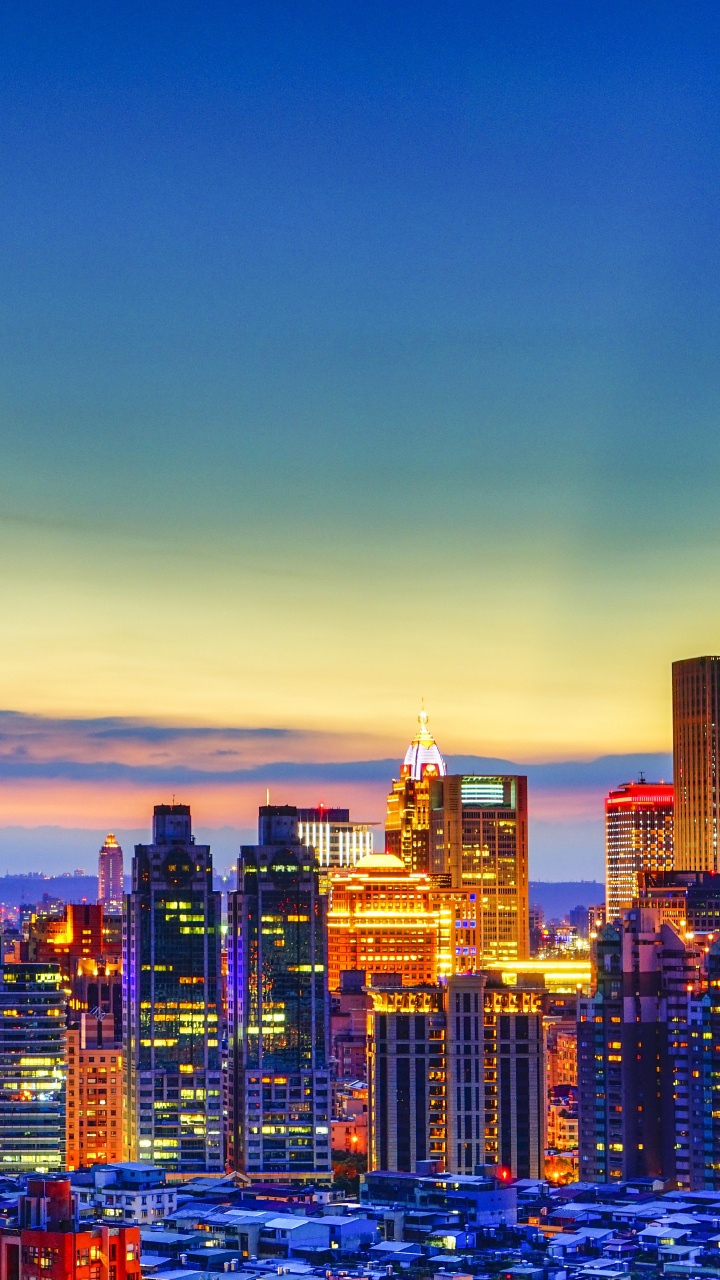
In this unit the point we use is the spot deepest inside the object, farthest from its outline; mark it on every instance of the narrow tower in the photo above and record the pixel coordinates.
(110, 876)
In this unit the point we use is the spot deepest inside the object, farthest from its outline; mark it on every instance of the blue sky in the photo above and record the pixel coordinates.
(353, 354)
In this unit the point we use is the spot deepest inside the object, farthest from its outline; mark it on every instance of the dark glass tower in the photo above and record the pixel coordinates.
(171, 1001)
(278, 1008)
(33, 1065)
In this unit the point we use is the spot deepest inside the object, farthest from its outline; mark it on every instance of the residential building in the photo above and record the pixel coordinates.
(348, 1027)
(406, 1070)
(638, 838)
(688, 900)
(50, 1241)
(479, 837)
(457, 1075)
(634, 1054)
(278, 1008)
(383, 919)
(94, 1128)
(171, 1001)
(124, 1193)
(337, 841)
(110, 876)
(76, 936)
(407, 828)
(33, 1065)
(696, 749)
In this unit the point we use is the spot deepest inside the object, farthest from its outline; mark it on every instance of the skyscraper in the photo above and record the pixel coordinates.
(407, 828)
(479, 838)
(171, 1001)
(33, 1065)
(638, 837)
(696, 742)
(110, 876)
(278, 1008)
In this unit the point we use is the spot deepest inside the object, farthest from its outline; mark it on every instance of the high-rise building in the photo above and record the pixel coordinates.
(337, 841)
(75, 937)
(479, 837)
(638, 837)
(383, 919)
(635, 1070)
(33, 1065)
(407, 828)
(171, 1001)
(688, 900)
(94, 1093)
(110, 876)
(407, 1096)
(696, 746)
(348, 1027)
(49, 1240)
(457, 1075)
(278, 1008)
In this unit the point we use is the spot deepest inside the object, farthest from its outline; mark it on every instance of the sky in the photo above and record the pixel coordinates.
(351, 355)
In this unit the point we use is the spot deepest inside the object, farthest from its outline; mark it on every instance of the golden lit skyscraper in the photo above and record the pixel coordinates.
(638, 837)
(110, 875)
(407, 829)
(696, 741)
(479, 837)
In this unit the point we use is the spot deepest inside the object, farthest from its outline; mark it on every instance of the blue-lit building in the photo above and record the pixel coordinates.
(278, 1008)
(171, 1001)
(33, 1065)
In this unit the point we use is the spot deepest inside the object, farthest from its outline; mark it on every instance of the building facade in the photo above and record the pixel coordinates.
(171, 1001)
(94, 1129)
(635, 1074)
(479, 838)
(638, 838)
(337, 841)
(278, 1008)
(110, 876)
(49, 1240)
(33, 1065)
(407, 1095)
(696, 742)
(383, 919)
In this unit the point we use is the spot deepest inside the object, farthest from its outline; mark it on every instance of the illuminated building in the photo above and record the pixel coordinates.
(171, 1001)
(77, 939)
(278, 1008)
(638, 1111)
(696, 743)
(457, 1075)
(110, 876)
(33, 1061)
(406, 1070)
(337, 841)
(50, 1241)
(407, 827)
(638, 837)
(349, 1124)
(688, 900)
(382, 919)
(553, 975)
(94, 1093)
(478, 836)
(495, 1077)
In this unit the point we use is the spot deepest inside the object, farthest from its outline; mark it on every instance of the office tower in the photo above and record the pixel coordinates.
(278, 1008)
(171, 1001)
(383, 919)
(407, 828)
(94, 1129)
(50, 1241)
(633, 1053)
(688, 900)
(75, 937)
(406, 1071)
(337, 841)
(638, 837)
(33, 1064)
(696, 742)
(110, 876)
(479, 837)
